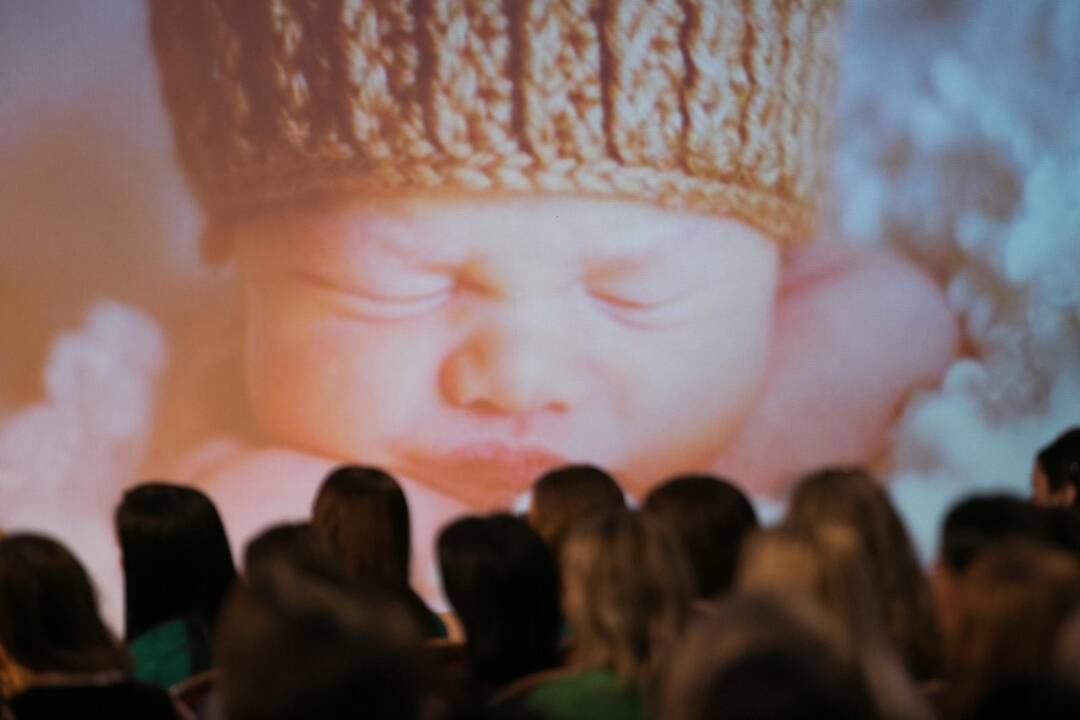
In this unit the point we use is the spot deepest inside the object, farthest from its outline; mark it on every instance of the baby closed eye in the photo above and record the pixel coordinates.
(637, 306)
(374, 301)
(647, 313)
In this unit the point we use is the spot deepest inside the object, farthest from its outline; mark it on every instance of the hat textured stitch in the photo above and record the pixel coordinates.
(713, 106)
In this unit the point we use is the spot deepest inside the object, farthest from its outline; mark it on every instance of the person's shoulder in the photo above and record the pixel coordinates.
(171, 632)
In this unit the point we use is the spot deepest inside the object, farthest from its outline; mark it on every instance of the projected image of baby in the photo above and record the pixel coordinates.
(477, 240)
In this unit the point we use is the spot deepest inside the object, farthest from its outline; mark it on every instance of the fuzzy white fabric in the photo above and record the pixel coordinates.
(970, 162)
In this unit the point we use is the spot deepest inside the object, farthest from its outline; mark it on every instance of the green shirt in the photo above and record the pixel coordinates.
(588, 695)
(169, 653)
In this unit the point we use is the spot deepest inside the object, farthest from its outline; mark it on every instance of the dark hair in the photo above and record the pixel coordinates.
(1044, 697)
(1010, 606)
(978, 522)
(49, 619)
(853, 498)
(299, 545)
(293, 645)
(710, 517)
(1061, 528)
(1060, 461)
(365, 517)
(177, 562)
(565, 496)
(501, 579)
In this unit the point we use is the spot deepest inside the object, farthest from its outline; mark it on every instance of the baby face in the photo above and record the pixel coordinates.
(471, 345)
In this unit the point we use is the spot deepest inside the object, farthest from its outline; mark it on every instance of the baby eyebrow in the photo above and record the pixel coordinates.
(336, 254)
(412, 253)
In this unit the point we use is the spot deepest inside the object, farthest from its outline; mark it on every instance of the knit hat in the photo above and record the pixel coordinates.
(713, 106)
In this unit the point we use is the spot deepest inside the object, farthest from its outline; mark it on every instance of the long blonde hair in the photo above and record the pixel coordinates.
(825, 565)
(828, 566)
(851, 497)
(627, 594)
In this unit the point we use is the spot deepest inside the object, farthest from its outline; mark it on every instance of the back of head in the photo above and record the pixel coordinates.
(710, 517)
(570, 495)
(501, 579)
(1059, 463)
(1010, 607)
(762, 657)
(294, 646)
(825, 565)
(49, 621)
(626, 593)
(853, 498)
(976, 523)
(177, 561)
(301, 546)
(364, 514)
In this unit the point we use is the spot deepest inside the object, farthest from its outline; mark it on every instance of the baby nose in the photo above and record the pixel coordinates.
(518, 363)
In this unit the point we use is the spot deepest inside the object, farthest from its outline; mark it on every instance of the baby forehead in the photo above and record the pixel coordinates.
(455, 232)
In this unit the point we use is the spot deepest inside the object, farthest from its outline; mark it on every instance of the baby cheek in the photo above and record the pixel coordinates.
(678, 390)
(338, 381)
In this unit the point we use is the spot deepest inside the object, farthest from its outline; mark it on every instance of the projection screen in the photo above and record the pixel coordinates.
(541, 265)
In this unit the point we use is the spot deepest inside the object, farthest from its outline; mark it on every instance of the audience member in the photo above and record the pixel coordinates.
(826, 565)
(626, 594)
(177, 571)
(365, 517)
(971, 526)
(62, 660)
(828, 615)
(501, 580)
(760, 657)
(978, 522)
(1010, 606)
(710, 517)
(301, 546)
(566, 496)
(295, 646)
(1055, 478)
(853, 498)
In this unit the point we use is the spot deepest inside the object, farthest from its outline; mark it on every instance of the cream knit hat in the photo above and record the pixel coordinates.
(715, 106)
